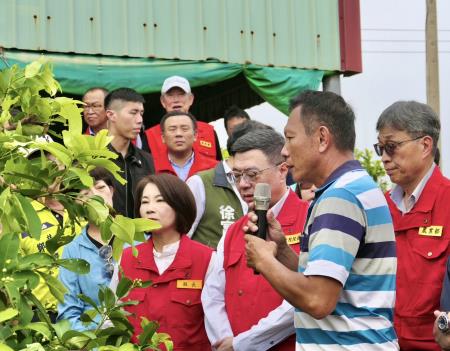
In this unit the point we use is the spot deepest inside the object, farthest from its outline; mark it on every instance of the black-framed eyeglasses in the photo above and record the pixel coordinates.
(390, 146)
(105, 252)
(248, 175)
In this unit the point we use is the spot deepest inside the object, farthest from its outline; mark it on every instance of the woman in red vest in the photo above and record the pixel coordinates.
(176, 265)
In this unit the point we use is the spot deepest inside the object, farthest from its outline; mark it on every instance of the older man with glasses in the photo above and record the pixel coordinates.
(242, 310)
(408, 133)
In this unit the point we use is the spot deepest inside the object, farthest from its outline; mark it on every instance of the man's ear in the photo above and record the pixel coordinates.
(324, 138)
(111, 115)
(163, 102)
(284, 169)
(427, 143)
(190, 101)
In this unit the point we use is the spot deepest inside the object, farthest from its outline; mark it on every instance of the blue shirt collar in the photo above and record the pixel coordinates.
(348, 166)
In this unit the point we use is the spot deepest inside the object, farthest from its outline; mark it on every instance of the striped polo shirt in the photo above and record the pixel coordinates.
(349, 237)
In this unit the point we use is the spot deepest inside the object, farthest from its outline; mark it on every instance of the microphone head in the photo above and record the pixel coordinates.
(262, 196)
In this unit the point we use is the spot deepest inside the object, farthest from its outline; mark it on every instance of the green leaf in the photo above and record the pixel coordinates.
(61, 327)
(145, 225)
(4, 347)
(59, 151)
(28, 277)
(123, 287)
(148, 329)
(84, 176)
(88, 316)
(109, 299)
(7, 314)
(102, 139)
(55, 286)
(97, 210)
(75, 339)
(32, 69)
(76, 265)
(34, 223)
(9, 248)
(89, 301)
(72, 113)
(40, 327)
(123, 228)
(117, 248)
(38, 259)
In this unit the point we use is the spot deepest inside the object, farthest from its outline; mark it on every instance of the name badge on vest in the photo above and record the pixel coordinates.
(293, 239)
(189, 284)
(205, 144)
(433, 230)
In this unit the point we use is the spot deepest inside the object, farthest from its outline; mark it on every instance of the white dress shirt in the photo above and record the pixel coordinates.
(275, 327)
(406, 204)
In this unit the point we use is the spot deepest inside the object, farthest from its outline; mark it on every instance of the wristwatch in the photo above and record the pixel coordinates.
(443, 323)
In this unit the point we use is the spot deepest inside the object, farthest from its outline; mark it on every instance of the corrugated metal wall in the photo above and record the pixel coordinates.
(292, 33)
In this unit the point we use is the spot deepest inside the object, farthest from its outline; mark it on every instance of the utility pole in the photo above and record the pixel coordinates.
(432, 59)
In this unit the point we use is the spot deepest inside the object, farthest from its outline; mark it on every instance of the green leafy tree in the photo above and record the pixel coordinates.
(30, 109)
(373, 167)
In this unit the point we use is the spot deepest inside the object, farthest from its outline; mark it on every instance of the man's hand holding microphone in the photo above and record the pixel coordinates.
(265, 238)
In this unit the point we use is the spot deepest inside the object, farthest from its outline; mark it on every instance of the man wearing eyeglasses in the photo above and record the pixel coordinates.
(94, 112)
(242, 311)
(408, 133)
(217, 198)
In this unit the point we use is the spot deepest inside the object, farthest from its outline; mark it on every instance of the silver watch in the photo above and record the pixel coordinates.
(443, 323)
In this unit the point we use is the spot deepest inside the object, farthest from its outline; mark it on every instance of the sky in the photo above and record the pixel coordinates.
(393, 53)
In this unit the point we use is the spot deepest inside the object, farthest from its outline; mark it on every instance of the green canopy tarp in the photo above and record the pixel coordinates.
(276, 85)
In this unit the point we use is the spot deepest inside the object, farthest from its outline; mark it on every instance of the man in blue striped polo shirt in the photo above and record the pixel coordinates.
(343, 283)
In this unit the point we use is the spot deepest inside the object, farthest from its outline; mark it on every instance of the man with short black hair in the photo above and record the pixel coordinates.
(179, 132)
(242, 311)
(408, 134)
(232, 117)
(124, 109)
(343, 282)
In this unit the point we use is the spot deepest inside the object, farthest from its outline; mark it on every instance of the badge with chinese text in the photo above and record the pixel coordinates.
(293, 239)
(433, 230)
(205, 144)
(189, 284)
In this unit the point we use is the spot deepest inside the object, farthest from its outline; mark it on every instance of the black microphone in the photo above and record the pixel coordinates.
(261, 197)
(262, 201)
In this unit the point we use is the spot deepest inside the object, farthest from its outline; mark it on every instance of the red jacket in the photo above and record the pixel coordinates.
(249, 297)
(178, 310)
(202, 161)
(205, 143)
(421, 262)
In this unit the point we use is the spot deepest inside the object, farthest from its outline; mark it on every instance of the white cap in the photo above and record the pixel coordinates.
(175, 81)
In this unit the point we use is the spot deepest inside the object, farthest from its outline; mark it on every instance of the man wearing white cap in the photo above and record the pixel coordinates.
(176, 95)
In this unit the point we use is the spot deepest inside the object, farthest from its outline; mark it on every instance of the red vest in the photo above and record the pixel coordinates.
(249, 297)
(178, 310)
(421, 262)
(205, 143)
(158, 149)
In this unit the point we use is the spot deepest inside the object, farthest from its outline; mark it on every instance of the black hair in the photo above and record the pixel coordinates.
(330, 110)
(234, 112)
(178, 113)
(123, 94)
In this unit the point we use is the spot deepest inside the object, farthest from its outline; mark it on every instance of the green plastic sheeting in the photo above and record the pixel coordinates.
(77, 73)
